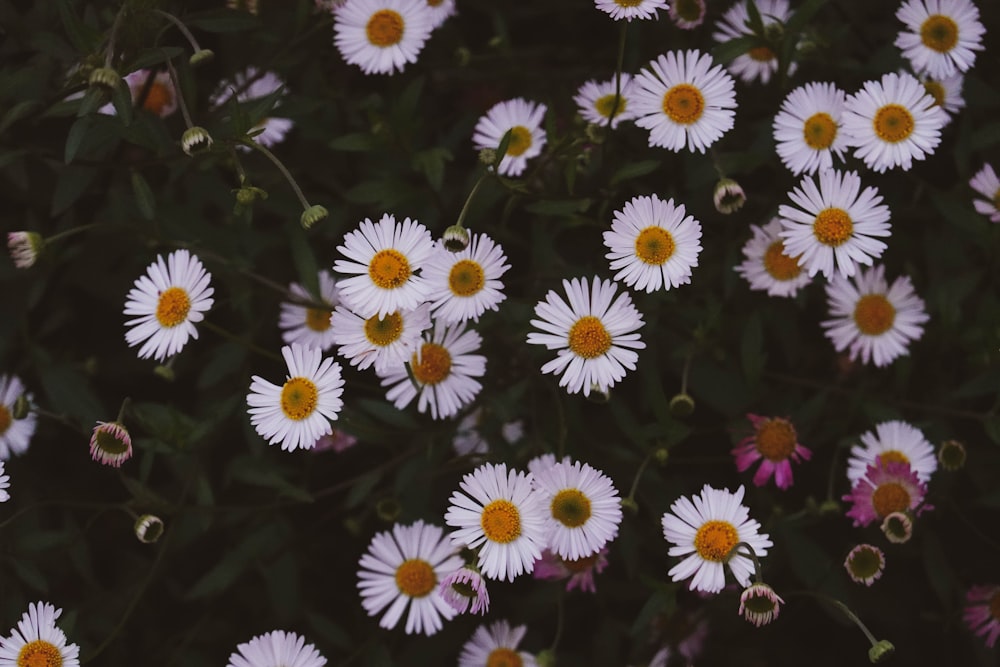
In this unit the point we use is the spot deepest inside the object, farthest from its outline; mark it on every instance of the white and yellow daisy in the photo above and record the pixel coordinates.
(168, 301)
(941, 36)
(523, 119)
(38, 641)
(946, 93)
(383, 260)
(440, 11)
(760, 62)
(382, 36)
(684, 99)
(687, 14)
(382, 342)
(15, 434)
(596, 101)
(892, 122)
(986, 183)
(252, 84)
(500, 515)
(276, 649)
(4, 483)
(704, 529)
(584, 509)
(443, 372)
(495, 645)
(465, 284)
(893, 442)
(807, 128)
(767, 267)
(155, 89)
(631, 9)
(835, 223)
(402, 569)
(653, 243)
(307, 325)
(594, 336)
(871, 319)
(298, 412)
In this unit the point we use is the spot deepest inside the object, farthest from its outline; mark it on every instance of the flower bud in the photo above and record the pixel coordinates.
(865, 564)
(880, 650)
(195, 140)
(661, 455)
(487, 156)
(105, 78)
(248, 194)
(897, 527)
(951, 455)
(630, 505)
(681, 405)
(596, 133)
(148, 528)
(455, 238)
(165, 371)
(24, 247)
(312, 215)
(22, 406)
(729, 196)
(111, 444)
(388, 509)
(759, 604)
(201, 57)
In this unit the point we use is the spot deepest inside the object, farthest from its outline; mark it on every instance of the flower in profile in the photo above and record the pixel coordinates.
(594, 336)
(465, 590)
(986, 183)
(982, 612)
(728, 196)
(653, 244)
(704, 529)
(15, 432)
(864, 564)
(37, 640)
(167, 302)
(630, 9)
(767, 267)
(892, 442)
(148, 528)
(382, 36)
(578, 572)
(155, 90)
(684, 99)
(276, 649)
(195, 140)
(4, 484)
(871, 319)
(835, 224)
(687, 14)
(495, 645)
(807, 128)
(307, 325)
(897, 527)
(383, 259)
(886, 488)
(595, 101)
(111, 444)
(403, 568)
(774, 443)
(498, 512)
(941, 36)
(584, 508)
(24, 248)
(892, 122)
(523, 119)
(298, 412)
(253, 84)
(946, 93)
(465, 284)
(382, 342)
(760, 62)
(759, 604)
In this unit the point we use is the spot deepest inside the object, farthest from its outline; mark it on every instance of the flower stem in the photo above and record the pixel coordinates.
(122, 409)
(844, 609)
(638, 475)
(281, 167)
(110, 53)
(749, 553)
(180, 26)
(468, 201)
(215, 328)
(180, 94)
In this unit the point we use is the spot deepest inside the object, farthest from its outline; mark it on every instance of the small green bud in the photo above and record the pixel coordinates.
(248, 194)
(201, 57)
(104, 77)
(661, 455)
(729, 196)
(196, 140)
(630, 505)
(165, 371)
(455, 238)
(388, 509)
(546, 658)
(681, 405)
(599, 395)
(487, 156)
(829, 506)
(312, 215)
(148, 528)
(881, 650)
(951, 455)
(22, 406)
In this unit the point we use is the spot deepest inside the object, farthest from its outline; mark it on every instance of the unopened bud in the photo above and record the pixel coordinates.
(104, 77)
(22, 406)
(196, 140)
(25, 247)
(148, 528)
(165, 371)
(681, 405)
(487, 156)
(661, 455)
(248, 194)
(312, 215)
(951, 455)
(201, 57)
(546, 658)
(455, 238)
(599, 394)
(880, 650)
(729, 196)
(630, 505)
(388, 509)
(463, 56)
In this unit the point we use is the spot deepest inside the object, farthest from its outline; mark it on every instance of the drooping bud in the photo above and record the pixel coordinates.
(312, 215)
(148, 528)
(196, 140)
(729, 196)
(111, 444)
(681, 405)
(898, 527)
(388, 509)
(24, 247)
(455, 238)
(951, 455)
(201, 56)
(105, 78)
(759, 604)
(880, 650)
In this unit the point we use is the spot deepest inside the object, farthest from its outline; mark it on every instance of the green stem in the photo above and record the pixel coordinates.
(687, 370)
(180, 26)
(59, 418)
(618, 74)
(110, 53)
(281, 167)
(749, 553)
(638, 476)
(70, 232)
(843, 608)
(560, 613)
(180, 94)
(468, 200)
(122, 409)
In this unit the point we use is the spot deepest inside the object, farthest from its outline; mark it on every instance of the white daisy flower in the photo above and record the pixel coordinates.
(523, 119)
(444, 369)
(986, 183)
(596, 101)
(946, 93)
(941, 36)
(252, 84)
(465, 284)
(468, 440)
(381, 36)
(594, 336)
(276, 649)
(684, 99)
(495, 645)
(807, 128)
(155, 89)
(704, 529)
(4, 484)
(759, 62)
(892, 122)
(631, 9)
(383, 342)
(168, 301)
(687, 14)
(584, 509)
(440, 11)
(15, 434)
(298, 412)
(403, 568)
(871, 319)
(767, 267)
(834, 224)
(892, 442)
(501, 515)
(383, 259)
(38, 641)
(306, 325)
(653, 244)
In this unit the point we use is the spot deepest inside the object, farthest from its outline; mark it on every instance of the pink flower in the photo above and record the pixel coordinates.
(884, 489)
(776, 443)
(982, 612)
(551, 567)
(465, 587)
(111, 444)
(338, 441)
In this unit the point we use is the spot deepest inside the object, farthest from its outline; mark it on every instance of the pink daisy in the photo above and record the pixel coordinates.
(982, 612)
(580, 572)
(774, 440)
(886, 487)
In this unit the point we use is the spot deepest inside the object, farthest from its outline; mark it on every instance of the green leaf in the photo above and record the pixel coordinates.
(145, 497)
(502, 149)
(222, 20)
(304, 259)
(17, 112)
(83, 37)
(430, 163)
(29, 574)
(326, 629)
(143, 196)
(362, 488)
(356, 142)
(72, 182)
(255, 546)
(74, 138)
(634, 170)
(122, 100)
(734, 48)
(387, 413)
(69, 392)
(754, 21)
(257, 472)
(752, 349)
(801, 17)
(558, 207)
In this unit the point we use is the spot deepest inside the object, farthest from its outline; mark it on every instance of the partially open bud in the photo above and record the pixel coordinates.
(729, 196)
(201, 57)
(165, 371)
(881, 650)
(22, 406)
(951, 455)
(248, 194)
(465, 591)
(681, 405)
(148, 528)
(312, 215)
(111, 444)
(455, 238)
(759, 604)
(898, 527)
(865, 564)
(24, 247)
(487, 156)
(105, 78)
(195, 140)
(599, 395)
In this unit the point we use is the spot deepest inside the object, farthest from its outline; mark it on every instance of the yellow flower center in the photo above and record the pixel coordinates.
(501, 521)
(415, 577)
(505, 657)
(434, 3)
(5, 419)
(776, 439)
(581, 564)
(298, 398)
(819, 131)
(520, 140)
(683, 104)
(935, 90)
(715, 539)
(466, 278)
(890, 497)
(158, 98)
(874, 314)
(833, 226)
(654, 245)
(570, 508)
(39, 653)
(385, 28)
(761, 54)
(384, 331)
(689, 10)
(939, 33)
(893, 456)
(606, 105)
(173, 307)
(779, 265)
(588, 338)
(318, 319)
(434, 364)
(893, 123)
(389, 269)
